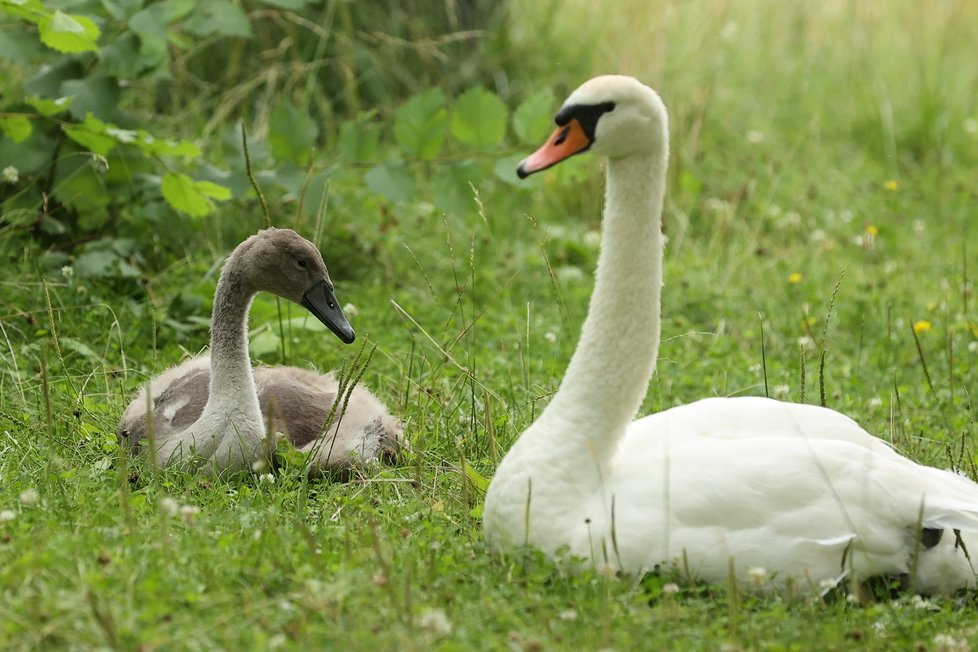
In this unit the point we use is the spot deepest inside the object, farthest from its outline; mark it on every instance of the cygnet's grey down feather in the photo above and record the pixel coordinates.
(294, 402)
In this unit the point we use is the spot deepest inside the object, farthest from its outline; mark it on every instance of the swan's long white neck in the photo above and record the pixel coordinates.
(608, 375)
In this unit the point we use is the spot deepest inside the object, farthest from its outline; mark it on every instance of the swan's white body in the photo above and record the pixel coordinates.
(721, 484)
(215, 408)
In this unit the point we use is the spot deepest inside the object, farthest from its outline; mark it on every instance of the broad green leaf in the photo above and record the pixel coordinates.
(478, 480)
(221, 17)
(534, 117)
(291, 133)
(49, 108)
(20, 47)
(394, 183)
(479, 118)
(155, 147)
(30, 10)
(92, 135)
(213, 190)
(69, 32)
(98, 94)
(421, 123)
(359, 139)
(30, 156)
(121, 9)
(265, 341)
(16, 128)
(505, 169)
(79, 347)
(180, 192)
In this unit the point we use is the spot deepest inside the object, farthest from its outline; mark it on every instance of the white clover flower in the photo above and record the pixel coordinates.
(757, 575)
(918, 602)
(791, 218)
(592, 239)
(671, 588)
(781, 391)
(846, 216)
(7, 515)
(947, 643)
(827, 584)
(189, 512)
(568, 614)
(169, 506)
(30, 497)
(806, 342)
(876, 401)
(11, 174)
(259, 465)
(973, 347)
(716, 205)
(350, 310)
(818, 235)
(266, 478)
(435, 620)
(67, 271)
(550, 336)
(755, 137)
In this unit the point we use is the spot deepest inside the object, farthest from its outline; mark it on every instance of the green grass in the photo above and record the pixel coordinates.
(787, 124)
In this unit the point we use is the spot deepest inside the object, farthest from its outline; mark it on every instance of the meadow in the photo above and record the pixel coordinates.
(821, 248)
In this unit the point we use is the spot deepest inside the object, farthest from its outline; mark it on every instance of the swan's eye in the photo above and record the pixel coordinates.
(608, 107)
(300, 263)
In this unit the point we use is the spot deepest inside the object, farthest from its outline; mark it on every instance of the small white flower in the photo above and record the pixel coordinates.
(818, 235)
(671, 588)
(755, 137)
(919, 226)
(791, 218)
(550, 336)
(592, 239)
(266, 478)
(568, 614)
(11, 174)
(774, 210)
(973, 346)
(729, 31)
(947, 643)
(876, 401)
(781, 391)
(259, 465)
(716, 205)
(971, 126)
(852, 598)
(169, 506)
(918, 602)
(435, 620)
(827, 584)
(350, 310)
(846, 216)
(806, 342)
(67, 271)
(7, 515)
(189, 512)
(757, 575)
(30, 497)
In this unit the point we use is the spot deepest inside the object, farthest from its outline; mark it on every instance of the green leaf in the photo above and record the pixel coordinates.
(98, 94)
(533, 117)
(359, 139)
(49, 108)
(30, 10)
(478, 480)
(92, 135)
(181, 192)
(394, 183)
(155, 147)
(213, 190)
(69, 32)
(421, 123)
(16, 128)
(265, 341)
(220, 17)
(291, 133)
(479, 118)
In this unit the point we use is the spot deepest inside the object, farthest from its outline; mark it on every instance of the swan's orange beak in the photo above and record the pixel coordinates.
(564, 143)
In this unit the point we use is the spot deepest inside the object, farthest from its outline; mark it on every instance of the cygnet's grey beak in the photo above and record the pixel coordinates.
(320, 301)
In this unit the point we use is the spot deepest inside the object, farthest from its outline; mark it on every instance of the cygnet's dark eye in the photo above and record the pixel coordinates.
(300, 263)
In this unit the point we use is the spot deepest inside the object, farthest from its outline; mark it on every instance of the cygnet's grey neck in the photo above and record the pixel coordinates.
(231, 373)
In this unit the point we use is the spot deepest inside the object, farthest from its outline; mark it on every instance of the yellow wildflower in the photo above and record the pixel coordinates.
(921, 326)
(794, 277)
(872, 230)
(891, 185)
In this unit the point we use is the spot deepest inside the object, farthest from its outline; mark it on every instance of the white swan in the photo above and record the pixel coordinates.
(216, 407)
(722, 484)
